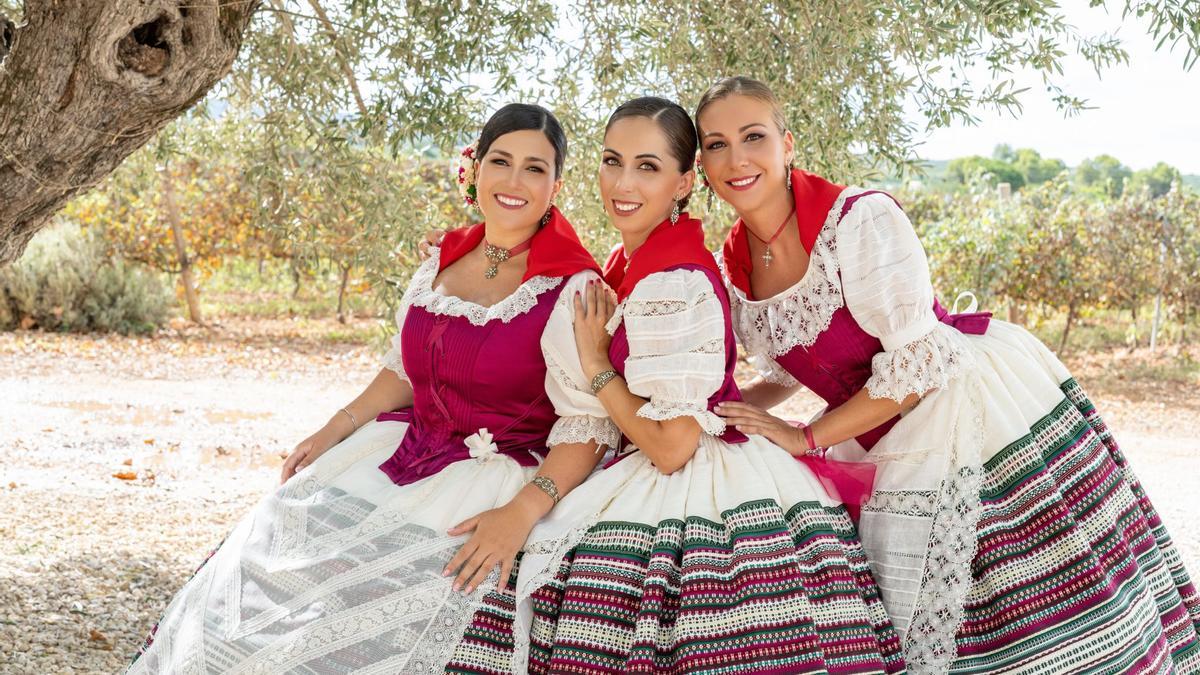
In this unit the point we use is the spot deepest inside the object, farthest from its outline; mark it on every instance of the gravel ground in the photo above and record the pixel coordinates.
(124, 460)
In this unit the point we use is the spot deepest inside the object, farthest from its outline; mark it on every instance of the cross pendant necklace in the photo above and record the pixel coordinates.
(767, 257)
(497, 255)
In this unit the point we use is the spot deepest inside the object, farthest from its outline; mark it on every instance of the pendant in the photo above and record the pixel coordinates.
(767, 257)
(496, 255)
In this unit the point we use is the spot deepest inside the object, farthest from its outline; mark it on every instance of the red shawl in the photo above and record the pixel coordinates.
(667, 246)
(554, 252)
(814, 197)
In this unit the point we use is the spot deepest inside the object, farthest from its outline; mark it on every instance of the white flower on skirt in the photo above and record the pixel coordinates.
(481, 445)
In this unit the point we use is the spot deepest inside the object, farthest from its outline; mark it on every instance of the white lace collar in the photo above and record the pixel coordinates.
(421, 294)
(775, 326)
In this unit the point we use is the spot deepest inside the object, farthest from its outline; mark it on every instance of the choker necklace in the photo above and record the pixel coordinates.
(498, 255)
(766, 256)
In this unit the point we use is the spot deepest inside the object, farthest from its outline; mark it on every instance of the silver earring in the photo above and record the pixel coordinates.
(787, 169)
(546, 216)
(675, 213)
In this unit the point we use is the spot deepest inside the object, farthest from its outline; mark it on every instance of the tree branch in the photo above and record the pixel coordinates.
(85, 85)
(343, 63)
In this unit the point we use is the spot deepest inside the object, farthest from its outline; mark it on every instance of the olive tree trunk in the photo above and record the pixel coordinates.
(84, 83)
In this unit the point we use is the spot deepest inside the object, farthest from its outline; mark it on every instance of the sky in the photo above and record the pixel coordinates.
(1145, 112)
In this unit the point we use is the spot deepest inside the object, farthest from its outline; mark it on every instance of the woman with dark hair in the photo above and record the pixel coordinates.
(1006, 529)
(431, 478)
(698, 549)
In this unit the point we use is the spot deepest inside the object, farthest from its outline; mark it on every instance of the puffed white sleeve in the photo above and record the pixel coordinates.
(424, 275)
(581, 416)
(886, 284)
(676, 329)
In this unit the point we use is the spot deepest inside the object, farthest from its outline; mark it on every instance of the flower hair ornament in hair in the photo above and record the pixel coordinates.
(466, 174)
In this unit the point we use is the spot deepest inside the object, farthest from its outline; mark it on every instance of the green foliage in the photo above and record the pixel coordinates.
(1057, 246)
(1157, 180)
(1103, 175)
(64, 282)
(334, 132)
(1018, 168)
(978, 170)
(1034, 168)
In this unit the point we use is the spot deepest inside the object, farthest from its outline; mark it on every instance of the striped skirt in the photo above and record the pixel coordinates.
(737, 563)
(1010, 535)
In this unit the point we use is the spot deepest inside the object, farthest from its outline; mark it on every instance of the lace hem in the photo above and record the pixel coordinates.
(668, 409)
(929, 642)
(545, 554)
(667, 306)
(925, 364)
(421, 294)
(778, 325)
(584, 428)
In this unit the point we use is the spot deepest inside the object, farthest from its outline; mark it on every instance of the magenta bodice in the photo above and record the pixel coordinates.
(465, 378)
(838, 365)
(618, 352)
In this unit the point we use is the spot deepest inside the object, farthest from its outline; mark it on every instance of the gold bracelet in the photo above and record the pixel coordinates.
(547, 485)
(602, 379)
(353, 421)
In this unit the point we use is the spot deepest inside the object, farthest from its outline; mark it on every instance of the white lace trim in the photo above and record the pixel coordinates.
(559, 374)
(584, 428)
(393, 362)
(929, 642)
(421, 294)
(655, 307)
(551, 551)
(662, 409)
(777, 325)
(713, 346)
(925, 364)
(614, 321)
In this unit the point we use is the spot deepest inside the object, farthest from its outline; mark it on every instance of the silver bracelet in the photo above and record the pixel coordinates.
(351, 416)
(602, 379)
(547, 485)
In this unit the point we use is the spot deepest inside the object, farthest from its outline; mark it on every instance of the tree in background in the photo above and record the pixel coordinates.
(173, 213)
(85, 83)
(423, 74)
(978, 170)
(1157, 180)
(1034, 168)
(1103, 174)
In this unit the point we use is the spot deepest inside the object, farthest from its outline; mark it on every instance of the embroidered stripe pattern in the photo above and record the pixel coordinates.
(760, 592)
(1074, 570)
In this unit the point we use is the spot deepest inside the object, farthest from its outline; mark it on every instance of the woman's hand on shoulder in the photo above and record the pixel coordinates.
(432, 238)
(594, 306)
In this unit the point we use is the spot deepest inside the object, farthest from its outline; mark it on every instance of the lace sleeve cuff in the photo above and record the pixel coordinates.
(584, 428)
(918, 367)
(662, 409)
(394, 363)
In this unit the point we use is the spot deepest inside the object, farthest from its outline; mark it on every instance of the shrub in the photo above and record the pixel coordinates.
(64, 282)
